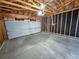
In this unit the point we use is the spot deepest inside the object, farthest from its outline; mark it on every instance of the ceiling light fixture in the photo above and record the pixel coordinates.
(42, 6)
(41, 11)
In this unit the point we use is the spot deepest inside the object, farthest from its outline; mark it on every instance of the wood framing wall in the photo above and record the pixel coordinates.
(3, 33)
(66, 23)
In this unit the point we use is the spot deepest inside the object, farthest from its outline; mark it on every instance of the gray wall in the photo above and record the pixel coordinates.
(21, 28)
(66, 23)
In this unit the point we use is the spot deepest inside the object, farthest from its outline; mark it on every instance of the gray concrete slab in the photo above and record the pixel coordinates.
(41, 46)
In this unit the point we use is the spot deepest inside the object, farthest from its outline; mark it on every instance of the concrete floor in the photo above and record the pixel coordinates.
(41, 46)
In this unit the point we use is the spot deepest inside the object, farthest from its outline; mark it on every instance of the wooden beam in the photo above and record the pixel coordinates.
(17, 5)
(57, 2)
(10, 7)
(34, 3)
(14, 15)
(61, 2)
(11, 15)
(63, 6)
(71, 23)
(28, 4)
(55, 9)
(5, 9)
(77, 24)
(52, 9)
(66, 4)
(46, 5)
(23, 7)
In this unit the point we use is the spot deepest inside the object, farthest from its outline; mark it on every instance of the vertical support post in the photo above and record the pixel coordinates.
(50, 24)
(57, 22)
(65, 24)
(45, 24)
(61, 22)
(77, 24)
(54, 22)
(70, 23)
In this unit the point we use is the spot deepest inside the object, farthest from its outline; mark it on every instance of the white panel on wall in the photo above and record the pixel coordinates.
(34, 24)
(21, 28)
(37, 30)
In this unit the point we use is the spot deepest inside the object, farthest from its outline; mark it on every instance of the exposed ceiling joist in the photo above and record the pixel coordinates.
(57, 2)
(61, 2)
(31, 7)
(10, 7)
(24, 7)
(17, 5)
(46, 5)
(34, 6)
(5, 9)
(66, 4)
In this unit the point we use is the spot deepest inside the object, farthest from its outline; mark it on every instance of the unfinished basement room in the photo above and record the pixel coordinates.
(39, 29)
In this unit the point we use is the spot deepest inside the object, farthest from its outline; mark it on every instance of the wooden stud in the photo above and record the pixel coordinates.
(65, 24)
(10, 7)
(61, 2)
(51, 23)
(77, 24)
(17, 5)
(34, 6)
(47, 6)
(57, 2)
(66, 4)
(46, 24)
(54, 22)
(70, 23)
(15, 15)
(67, 10)
(5, 9)
(57, 21)
(61, 22)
